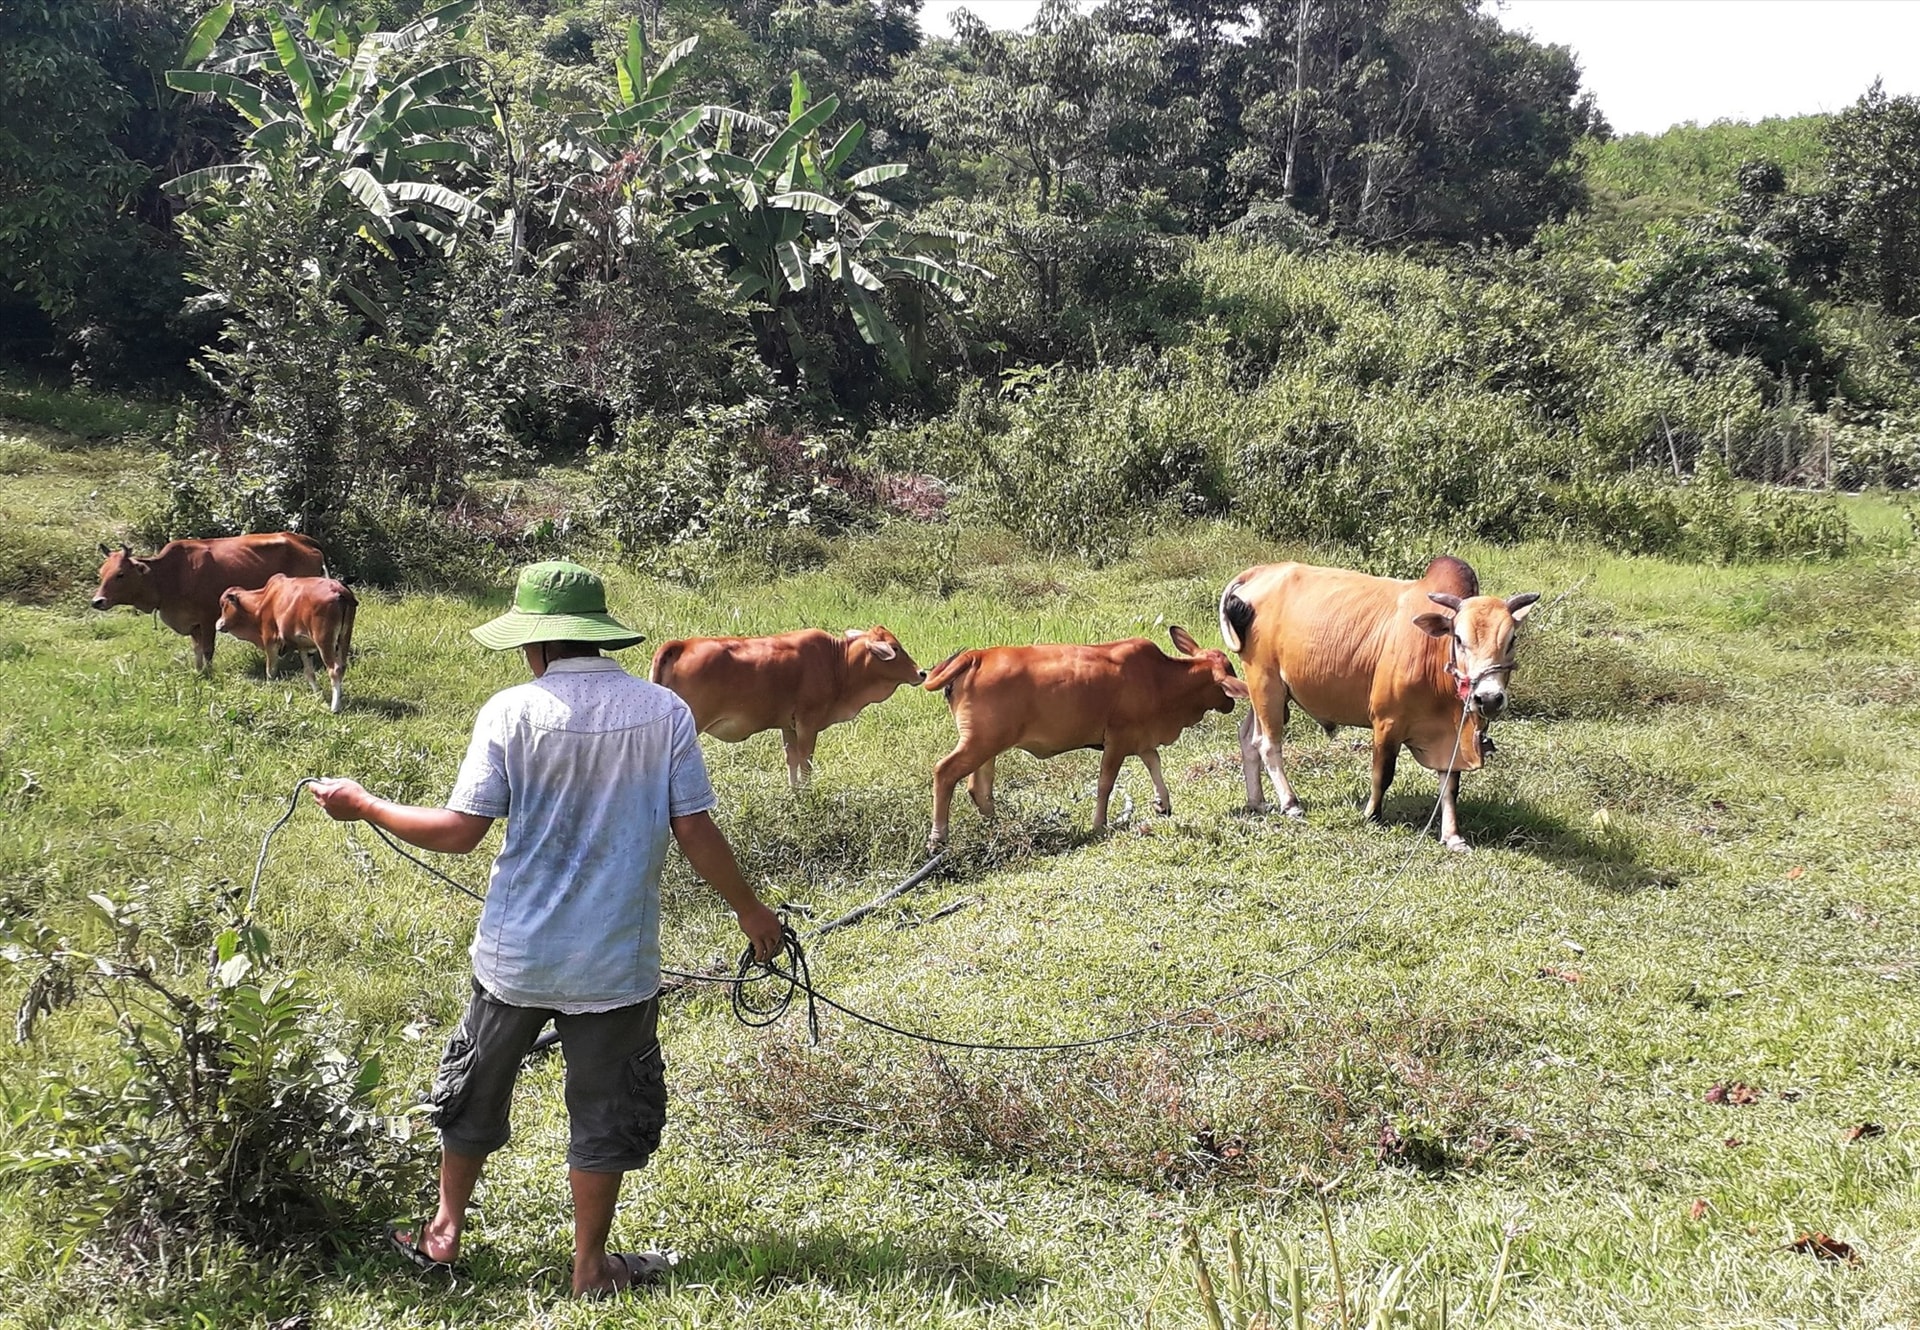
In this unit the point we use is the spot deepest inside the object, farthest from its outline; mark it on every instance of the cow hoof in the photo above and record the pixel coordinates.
(1294, 810)
(1165, 810)
(1458, 845)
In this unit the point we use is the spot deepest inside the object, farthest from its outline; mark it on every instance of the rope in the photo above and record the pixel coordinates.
(796, 977)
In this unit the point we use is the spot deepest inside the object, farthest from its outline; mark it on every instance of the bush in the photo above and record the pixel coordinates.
(1386, 473)
(346, 430)
(1082, 461)
(229, 1108)
(1710, 520)
(726, 483)
(1885, 452)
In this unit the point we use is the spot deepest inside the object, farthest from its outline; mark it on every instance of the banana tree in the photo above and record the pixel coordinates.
(618, 169)
(801, 229)
(609, 165)
(313, 86)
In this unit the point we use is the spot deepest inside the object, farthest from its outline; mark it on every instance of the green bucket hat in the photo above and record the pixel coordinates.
(556, 602)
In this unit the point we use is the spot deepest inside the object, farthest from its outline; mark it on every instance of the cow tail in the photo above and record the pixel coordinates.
(343, 634)
(663, 663)
(943, 676)
(1236, 617)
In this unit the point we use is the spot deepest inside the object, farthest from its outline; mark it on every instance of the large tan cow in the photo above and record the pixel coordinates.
(184, 580)
(798, 683)
(304, 614)
(1425, 664)
(1125, 699)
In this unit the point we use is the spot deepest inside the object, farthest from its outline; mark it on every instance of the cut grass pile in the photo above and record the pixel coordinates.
(1698, 853)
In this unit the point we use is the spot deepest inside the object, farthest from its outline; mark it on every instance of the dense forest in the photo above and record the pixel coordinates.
(1357, 271)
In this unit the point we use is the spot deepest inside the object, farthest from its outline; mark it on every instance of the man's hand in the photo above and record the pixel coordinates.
(442, 830)
(342, 800)
(762, 927)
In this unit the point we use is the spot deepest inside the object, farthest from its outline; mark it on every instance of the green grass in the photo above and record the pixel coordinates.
(1706, 808)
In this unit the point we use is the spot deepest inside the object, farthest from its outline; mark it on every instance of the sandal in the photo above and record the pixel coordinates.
(642, 1268)
(404, 1238)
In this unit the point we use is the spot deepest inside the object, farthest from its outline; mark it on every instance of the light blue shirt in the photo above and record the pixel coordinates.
(587, 764)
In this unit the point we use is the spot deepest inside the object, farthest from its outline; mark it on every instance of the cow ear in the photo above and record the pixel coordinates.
(881, 650)
(1183, 640)
(1234, 686)
(1434, 625)
(855, 634)
(1442, 598)
(1521, 605)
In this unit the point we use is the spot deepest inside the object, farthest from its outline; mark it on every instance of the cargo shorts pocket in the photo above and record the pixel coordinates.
(452, 1084)
(646, 1107)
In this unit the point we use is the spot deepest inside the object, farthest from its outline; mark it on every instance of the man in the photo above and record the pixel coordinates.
(591, 767)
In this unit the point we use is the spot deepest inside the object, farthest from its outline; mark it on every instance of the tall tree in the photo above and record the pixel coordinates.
(1873, 182)
(87, 132)
(1402, 120)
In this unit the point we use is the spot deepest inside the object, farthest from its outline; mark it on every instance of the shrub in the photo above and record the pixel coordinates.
(1386, 473)
(228, 1107)
(1883, 452)
(1711, 519)
(346, 430)
(726, 483)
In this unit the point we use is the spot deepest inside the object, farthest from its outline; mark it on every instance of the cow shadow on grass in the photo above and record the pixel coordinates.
(392, 708)
(291, 676)
(1611, 863)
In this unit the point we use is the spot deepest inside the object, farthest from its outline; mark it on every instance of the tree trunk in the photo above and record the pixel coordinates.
(1299, 97)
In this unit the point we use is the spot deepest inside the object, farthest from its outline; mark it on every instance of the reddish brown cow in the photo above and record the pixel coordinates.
(306, 614)
(184, 580)
(1125, 699)
(1425, 664)
(798, 683)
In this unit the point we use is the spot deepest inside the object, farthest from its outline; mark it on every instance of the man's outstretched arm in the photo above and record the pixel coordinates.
(712, 858)
(439, 829)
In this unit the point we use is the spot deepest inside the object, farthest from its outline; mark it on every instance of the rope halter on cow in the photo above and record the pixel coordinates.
(1464, 685)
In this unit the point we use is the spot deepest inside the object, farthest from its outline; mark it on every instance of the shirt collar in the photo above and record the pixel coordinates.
(584, 665)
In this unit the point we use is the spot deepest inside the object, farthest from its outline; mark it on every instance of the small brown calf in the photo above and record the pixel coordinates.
(305, 614)
(1125, 699)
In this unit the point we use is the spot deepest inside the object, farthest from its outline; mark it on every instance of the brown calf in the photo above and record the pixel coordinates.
(1425, 664)
(183, 582)
(304, 614)
(1125, 699)
(798, 683)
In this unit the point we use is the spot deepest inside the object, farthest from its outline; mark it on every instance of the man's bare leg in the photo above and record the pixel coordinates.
(439, 1238)
(594, 1197)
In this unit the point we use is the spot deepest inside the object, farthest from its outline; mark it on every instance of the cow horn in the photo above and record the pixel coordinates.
(127, 550)
(106, 549)
(1442, 598)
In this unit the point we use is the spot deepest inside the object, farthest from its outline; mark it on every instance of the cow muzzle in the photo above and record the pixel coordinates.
(1489, 700)
(100, 602)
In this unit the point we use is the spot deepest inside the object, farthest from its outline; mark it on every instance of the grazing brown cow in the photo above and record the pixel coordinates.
(306, 614)
(798, 683)
(1124, 698)
(1424, 663)
(184, 580)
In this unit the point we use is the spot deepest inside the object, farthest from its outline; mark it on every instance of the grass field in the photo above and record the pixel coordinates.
(1698, 855)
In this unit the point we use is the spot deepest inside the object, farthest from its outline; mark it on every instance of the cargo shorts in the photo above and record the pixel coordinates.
(616, 1081)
